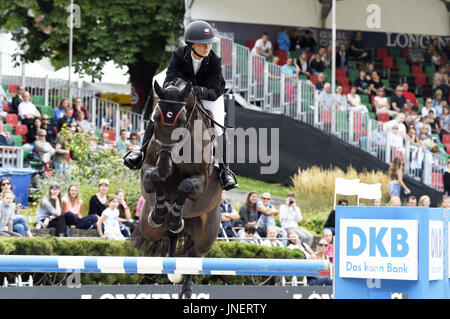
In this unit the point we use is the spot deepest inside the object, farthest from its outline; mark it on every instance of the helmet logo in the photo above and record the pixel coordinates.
(169, 114)
(206, 30)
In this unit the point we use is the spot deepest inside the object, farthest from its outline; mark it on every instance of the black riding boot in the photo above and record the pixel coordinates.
(227, 178)
(134, 159)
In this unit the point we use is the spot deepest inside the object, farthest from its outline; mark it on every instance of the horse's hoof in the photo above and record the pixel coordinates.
(186, 294)
(177, 230)
(154, 223)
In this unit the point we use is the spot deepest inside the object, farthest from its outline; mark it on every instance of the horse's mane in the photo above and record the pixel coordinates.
(179, 84)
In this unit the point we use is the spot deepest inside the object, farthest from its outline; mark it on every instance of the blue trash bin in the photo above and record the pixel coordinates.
(20, 180)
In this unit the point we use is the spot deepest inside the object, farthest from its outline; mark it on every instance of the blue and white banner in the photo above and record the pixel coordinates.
(436, 250)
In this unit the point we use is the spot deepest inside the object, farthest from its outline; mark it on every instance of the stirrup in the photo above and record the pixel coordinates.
(130, 165)
(228, 186)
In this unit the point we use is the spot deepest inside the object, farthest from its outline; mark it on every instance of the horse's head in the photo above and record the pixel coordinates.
(174, 105)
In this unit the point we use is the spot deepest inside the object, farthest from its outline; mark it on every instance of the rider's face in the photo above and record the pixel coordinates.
(202, 49)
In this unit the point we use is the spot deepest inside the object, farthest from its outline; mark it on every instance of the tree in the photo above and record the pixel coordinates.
(133, 33)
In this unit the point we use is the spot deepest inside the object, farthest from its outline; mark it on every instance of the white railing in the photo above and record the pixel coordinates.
(11, 156)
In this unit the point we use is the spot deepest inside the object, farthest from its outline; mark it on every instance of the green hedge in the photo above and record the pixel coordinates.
(101, 247)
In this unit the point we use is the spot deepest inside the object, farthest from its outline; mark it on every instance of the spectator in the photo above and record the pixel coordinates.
(105, 143)
(249, 235)
(290, 216)
(375, 84)
(415, 55)
(395, 138)
(424, 201)
(361, 83)
(341, 57)
(438, 49)
(376, 202)
(326, 56)
(354, 101)
(44, 148)
(303, 64)
(93, 142)
(356, 48)
(322, 247)
(447, 179)
(398, 101)
(434, 123)
(427, 106)
(33, 130)
(320, 82)
(444, 122)
(227, 216)
(378, 139)
(293, 241)
(27, 110)
(72, 209)
(395, 175)
(266, 213)
(428, 54)
(110, 217)
(283, 40)
(409, 96)
(78, 107)
(16, 100)
(290, 67)
(395, 201)
(123, 142)
(328, 235)
(61, 153)
(126, 223)
(325, 98)
(295, 40)
(49, 211)
(381, 103)
(308, 42)
(83, 124)
(330, 222)
(316, 65)
(272, 240)
(263, 46)
(411, 135)
(441, 82)
(424, 135)
(60, 110)
(66, 119)
(411, 201)
(7, 209)
(133, 142)
(49, 129)
(248, 212)
(340, 99)
(98, 202)
(125, 123)
(369, 71)
(445, 202)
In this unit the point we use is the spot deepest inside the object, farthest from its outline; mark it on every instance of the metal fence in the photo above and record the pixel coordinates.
(11, 156)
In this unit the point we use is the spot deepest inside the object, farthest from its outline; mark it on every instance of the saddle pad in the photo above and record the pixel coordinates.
(170, 113)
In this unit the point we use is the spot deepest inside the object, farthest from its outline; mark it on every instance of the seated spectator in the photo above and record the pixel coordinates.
(369, 71)
(340, 99)
(330, 222)
(411, 201)
(445, 202)
(444, 122)
(303, 64)
(341, 57)
(307, 42)
(78, 107)
(133, 142)
(44, 148)
(249, 235)
(49, 129)
(424, 201)
(361, 83)
(72, 209)
(126, 223)
(415, 55)
(356, 48)
(424, 134)
(98, 202)
(123, 141)
(227, 216)
(105, 143)
(248, 212)
(322, 247)
(263, 46)
(354, 101)
(321, 82)
(60, 110)
(33, 130)
(66, 119)
(16, 100)
(290, 216)
(327, 54)
(290, 67)
(271, 240)
(110, 219)
(411, 135)
(266, 212)
(441, 82)
(381, 103)
(374, 84)
(27, 110)
(83, 124)
(328, 235)
(7, 210)
(283, 40)
(409, 96)
(427, 106)
(434, 123)
(398, 101)
(395, 201)
(293, 241)
(325, 98)
(49, 211)
(316, 65)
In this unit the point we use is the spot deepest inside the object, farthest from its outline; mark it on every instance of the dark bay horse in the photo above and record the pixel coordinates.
(185, 195)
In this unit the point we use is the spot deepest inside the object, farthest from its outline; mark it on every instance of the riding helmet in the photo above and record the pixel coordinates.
(200, 32)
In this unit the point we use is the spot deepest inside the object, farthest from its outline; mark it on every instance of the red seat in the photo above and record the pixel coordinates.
(314, 78)
(283, 56)
(388, 62)
(421, 79)
(405, 54)
(346, 89)
(445, 138)
(447, 147)
(340, 73)
(12, 119)
(381, 52)
(437, 179)
(250, 44)
(343, 81)
(416, 69)
(309, 55)
(21, 129)
(383, 117)
(5, 107)
(13, 88)
(110, 135)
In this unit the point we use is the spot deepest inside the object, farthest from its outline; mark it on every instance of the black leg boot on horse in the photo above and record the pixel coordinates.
(134, 158)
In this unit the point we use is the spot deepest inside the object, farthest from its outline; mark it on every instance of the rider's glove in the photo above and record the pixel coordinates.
(200, 91)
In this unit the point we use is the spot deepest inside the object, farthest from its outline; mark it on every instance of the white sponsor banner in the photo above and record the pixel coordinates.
(378, 248)
(436, 250)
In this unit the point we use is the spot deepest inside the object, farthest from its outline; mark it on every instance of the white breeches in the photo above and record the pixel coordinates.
(217, 109)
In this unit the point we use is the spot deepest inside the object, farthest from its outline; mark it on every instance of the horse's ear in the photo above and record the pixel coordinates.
(158, 90)
(187, 89)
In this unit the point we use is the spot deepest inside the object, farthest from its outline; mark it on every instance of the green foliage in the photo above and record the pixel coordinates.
(102, 247)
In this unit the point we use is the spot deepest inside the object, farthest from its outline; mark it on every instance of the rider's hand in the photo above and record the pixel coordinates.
(200, 91)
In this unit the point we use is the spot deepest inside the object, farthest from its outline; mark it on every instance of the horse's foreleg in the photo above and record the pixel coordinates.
(188, 187)
(156, 218)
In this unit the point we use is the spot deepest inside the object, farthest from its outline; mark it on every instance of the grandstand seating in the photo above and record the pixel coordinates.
(383, 117)
(13, 88)
(21, 129)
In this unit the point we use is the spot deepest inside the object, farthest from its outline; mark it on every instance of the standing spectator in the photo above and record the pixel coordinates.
(322, 247)
(447, 179)
(7, 208)
(354, 101)
(263, 46)
(127, 224)
(248, 212)
(123, 142)
(97, 203)
(438, 49)
(437, 103)
(290, 67)
(110, 219)
(330, 222)
(321, 82)
(27, 110)
(72, 209)
(227, 216)
(125, 123)
(434, 123)
(395, 175)
(340, 99)
(411, 201)
(49, 211)
(325, 99)
(272, 240)
(316, 65)
(444, 122)
(49, 129)
(60, 110)
(395, 138)
(378, 139)
(295, 40)
(308, 42)
(415, 55)
(357, 49)
(303, 64)
(341, 57)
(290, 216)
(78, 107)
(16, 100)
(398, 101)
(424, 201)
(266, 213)
(66, 119)
(61, 153)
(44, 148)
(283, 40)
